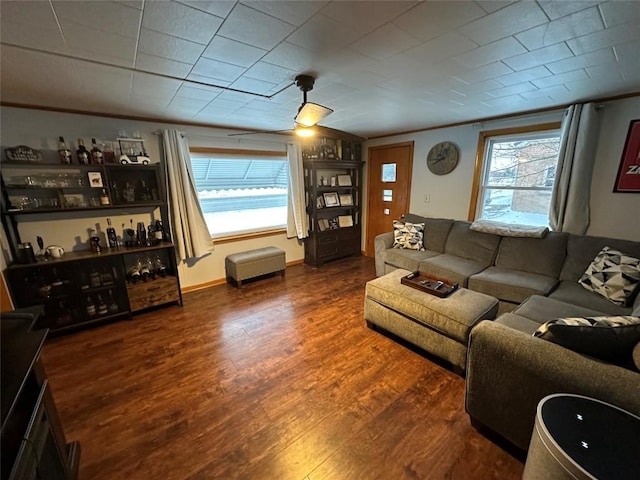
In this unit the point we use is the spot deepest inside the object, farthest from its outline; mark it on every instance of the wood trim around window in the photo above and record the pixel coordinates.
(482, 141)
(233, 151)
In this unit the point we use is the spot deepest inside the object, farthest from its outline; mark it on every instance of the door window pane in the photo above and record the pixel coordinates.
(387, 196)
(388, 172)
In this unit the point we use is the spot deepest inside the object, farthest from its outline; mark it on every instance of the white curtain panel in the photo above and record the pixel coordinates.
(569, 210)
(297, 220)
(190, 233)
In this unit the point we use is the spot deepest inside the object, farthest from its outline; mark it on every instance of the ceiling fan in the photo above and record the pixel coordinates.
(308, 116)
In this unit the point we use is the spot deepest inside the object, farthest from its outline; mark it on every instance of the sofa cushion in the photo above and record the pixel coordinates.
(581, 250)
(542, 309)
(636, 356)
(465, 243)
(406, 259)
(407, 235)
(573, 292)
(614, 275)
(610, 338)
(543, 256)
(436, 230)
(511, 285)
(518, 322)
(452, 268)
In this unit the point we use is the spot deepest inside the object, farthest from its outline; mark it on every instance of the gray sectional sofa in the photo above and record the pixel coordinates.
(535, 280)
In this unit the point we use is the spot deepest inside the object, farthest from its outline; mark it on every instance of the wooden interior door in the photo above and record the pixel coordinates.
(389, 188)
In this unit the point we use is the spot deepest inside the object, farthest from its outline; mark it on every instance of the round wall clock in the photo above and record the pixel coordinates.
(442, 158)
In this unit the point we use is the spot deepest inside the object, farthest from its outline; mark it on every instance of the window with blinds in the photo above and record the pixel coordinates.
(241, 192)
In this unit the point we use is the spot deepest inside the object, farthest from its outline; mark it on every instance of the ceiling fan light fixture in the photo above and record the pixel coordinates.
(305, 132)
(311, 113)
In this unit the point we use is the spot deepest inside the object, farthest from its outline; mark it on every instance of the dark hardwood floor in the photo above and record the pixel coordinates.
(278, 380)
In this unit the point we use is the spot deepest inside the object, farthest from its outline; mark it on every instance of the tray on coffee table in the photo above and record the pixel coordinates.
(429, 284)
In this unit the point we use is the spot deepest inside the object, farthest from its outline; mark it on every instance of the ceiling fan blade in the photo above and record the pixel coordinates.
(259, 131)
(311, 113)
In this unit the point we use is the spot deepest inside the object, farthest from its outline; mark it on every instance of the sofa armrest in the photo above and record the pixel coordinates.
(509, 372)
(382, 242)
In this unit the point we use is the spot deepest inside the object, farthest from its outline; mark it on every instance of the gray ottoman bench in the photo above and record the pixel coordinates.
(253, 263)
(440, 326)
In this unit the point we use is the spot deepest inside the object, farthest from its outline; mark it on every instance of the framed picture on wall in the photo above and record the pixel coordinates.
(628, 178)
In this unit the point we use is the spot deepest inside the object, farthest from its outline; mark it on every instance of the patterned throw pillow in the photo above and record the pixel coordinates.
(613, 275)
(408, 235)
(608, 338)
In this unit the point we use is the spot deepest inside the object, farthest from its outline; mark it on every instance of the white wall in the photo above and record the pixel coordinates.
(612, 214)
(41, 129)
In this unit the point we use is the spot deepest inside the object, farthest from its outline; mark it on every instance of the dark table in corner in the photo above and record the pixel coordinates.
(29, 416)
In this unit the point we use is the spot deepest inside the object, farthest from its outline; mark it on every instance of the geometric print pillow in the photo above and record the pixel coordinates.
(408, 235)
(609, 338)
(613, 275)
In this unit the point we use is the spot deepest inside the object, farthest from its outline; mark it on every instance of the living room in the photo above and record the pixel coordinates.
(101, 416)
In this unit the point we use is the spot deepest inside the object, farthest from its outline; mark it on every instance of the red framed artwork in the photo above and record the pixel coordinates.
(628, 179)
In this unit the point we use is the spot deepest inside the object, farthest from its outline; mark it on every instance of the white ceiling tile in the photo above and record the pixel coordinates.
(448, 45)
(492, 52)
(505, 102)
(314, 35)
(164, 66)
(556, 9)
(166, 46)
(219, 8)
(552, 80)
(247, 25)
(565, 28)
(507, 21)
(362, 16)
(181, 21)
(484, 73)
(137, 4)
(588, 59)
(217, 70)
(524, 75)
(204, 81)
(627, 54)
(231, 51)
(274, 73)
(42, 38)
(98, 78)
(475, 88)
(618, 12)
(429, 20)
(293, 12)
(29, 14)
(491, 6)
(197, 92)
(252, 85)
(602, 72)
(542, 56)
(556, 91)
(385, 42)
(624, 33)
(188, 103)
(83, 41)
(152, 84)
(106, 16)
(288, 55)
(513, 89)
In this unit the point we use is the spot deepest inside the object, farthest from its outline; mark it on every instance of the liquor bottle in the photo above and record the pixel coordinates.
(63, 151)
(159, 267)
(112, 304)
(102, 307)
(112, 238)
(104, 198)
(134, 271)
(145, 272)
(94, 278)
(159, 231)
(84, 156)
(90, 307)
(97, 157)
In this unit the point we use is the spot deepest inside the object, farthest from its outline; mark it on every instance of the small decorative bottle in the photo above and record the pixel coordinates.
(84, 156)
(63, 151)
(90, 307)
(97, 157)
